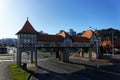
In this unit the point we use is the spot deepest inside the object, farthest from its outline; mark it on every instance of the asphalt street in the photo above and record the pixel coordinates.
(52, 70)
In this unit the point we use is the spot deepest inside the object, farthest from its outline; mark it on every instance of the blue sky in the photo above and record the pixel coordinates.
(54, 15)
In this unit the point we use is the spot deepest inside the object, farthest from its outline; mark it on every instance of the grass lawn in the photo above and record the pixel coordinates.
(43, 56)
(17, 73)
(6, 54)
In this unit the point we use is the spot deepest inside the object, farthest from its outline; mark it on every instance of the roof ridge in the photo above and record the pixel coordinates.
(63, 34)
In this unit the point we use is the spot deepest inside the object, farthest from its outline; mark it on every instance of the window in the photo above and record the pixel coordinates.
(18, 36)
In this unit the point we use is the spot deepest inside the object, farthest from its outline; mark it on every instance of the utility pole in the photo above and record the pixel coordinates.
(97, 48)
(97, 45)
(112, 45)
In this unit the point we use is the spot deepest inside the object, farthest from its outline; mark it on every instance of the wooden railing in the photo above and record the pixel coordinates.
(54, 44)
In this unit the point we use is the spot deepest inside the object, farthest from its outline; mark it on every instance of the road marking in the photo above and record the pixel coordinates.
(110, 72)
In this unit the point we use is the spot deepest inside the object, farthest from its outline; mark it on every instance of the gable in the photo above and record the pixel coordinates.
(68, 40)
(88, 34)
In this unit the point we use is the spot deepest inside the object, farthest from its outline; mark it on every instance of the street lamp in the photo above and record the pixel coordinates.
(112, 45)
(96, 41)
(97, 65)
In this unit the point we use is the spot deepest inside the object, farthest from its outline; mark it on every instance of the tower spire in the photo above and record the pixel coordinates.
(27, 29)
(27, 18)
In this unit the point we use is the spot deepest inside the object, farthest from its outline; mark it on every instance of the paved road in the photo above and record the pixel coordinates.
(51, 70)
(4, 72)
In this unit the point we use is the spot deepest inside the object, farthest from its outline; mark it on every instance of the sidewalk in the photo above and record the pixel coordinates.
(86, 62)
(4, 72)
(111, 66)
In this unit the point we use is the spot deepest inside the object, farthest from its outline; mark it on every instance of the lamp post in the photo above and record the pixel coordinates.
(112, 45)
(97, 64)
(96, 42)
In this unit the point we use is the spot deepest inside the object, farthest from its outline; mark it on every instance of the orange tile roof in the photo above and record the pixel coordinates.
(108, 42)
(27, 29)
(105, 43)
(74, 38)
(88, 34)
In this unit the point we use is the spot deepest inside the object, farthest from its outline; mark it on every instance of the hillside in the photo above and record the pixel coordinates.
(107, 33)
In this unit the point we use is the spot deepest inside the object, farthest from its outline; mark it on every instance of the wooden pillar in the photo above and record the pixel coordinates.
(31, 56)
(60, 52)
(19, 57)
(57, 53)
(65, 55)
(35, 57)
(90, 53)
(82, 50)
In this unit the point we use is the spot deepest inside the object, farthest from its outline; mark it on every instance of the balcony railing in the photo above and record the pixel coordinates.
(55, 44)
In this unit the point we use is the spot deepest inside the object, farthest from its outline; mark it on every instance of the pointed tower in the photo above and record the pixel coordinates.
(27, 35)
(27, 29)
(26, 41)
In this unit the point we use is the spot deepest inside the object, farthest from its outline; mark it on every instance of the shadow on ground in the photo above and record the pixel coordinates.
(84, 74)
